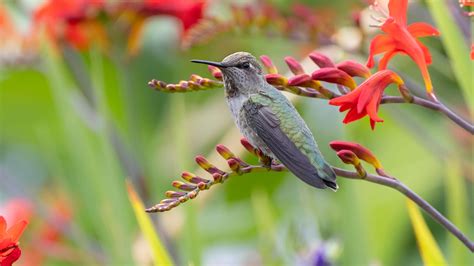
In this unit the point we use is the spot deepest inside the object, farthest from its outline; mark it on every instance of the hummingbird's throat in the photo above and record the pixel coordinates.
(231, 88)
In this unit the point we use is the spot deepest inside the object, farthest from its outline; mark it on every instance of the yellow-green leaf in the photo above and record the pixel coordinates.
(429, 249)
(160, 254)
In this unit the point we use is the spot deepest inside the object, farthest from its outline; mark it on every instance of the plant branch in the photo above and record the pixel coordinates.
(402, 188)
(437, 106)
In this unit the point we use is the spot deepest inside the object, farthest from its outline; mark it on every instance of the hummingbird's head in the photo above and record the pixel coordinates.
(241, 72)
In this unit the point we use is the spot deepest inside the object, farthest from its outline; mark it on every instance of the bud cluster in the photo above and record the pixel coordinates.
(195, 83)
(195, 184)
(348, 152)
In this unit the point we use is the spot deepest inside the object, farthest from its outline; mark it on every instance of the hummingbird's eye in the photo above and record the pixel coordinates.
(245, 65)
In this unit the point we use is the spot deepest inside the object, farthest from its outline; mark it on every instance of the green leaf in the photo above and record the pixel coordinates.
(429, 250)
(456, 48)
(160, 254)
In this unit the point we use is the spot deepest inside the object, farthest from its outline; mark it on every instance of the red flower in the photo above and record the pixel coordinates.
(365, 99)
(400, 38)
(72, 20)
(189, 12)
(9, 249)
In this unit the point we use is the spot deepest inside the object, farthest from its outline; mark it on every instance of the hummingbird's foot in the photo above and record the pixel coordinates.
(266, 162)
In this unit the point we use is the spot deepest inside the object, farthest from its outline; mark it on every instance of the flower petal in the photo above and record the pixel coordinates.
(387, 57)
(426, 52)
(16, 230)
(353, 115)
(351, 97)
(381, 43)
(13, 256)
(398, 10)
(372, 108)
(3, 226)
(422, 29)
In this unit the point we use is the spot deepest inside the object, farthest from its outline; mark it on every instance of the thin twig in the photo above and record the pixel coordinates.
(402, 188)
(437, 106)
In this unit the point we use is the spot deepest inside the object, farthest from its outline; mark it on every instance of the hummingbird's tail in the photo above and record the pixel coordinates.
(332, 185)
(328, 176)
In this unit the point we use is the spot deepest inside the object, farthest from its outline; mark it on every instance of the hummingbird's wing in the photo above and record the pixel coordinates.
(267, 126)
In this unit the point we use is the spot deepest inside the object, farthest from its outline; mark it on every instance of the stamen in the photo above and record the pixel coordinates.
(378, 19)
(382, 10)
(375, 25)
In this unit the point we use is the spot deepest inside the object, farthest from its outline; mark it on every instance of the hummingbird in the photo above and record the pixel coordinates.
(268, 120)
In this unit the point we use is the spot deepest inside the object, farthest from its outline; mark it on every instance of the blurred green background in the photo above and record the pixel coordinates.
(75, 125)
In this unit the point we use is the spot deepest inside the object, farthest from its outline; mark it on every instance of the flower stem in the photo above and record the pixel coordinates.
(402, 188)
(437, 106)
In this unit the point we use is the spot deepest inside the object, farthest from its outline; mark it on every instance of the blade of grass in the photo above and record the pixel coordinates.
(429, 250)
(456, 48)
(92, 170)
(160, 255)
(457, 204)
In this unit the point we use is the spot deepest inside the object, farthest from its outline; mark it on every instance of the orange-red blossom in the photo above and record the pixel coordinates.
(366, 98)
(9, 249)
(402, 38)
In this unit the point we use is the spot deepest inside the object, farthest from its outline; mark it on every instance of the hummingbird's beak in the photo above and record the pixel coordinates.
(211, 63)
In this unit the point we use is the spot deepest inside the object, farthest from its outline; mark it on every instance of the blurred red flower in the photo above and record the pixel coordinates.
(78, 21)
(472, 51)
(400, 38)
(189, 12)
(9, 249)
(365, 99)
(72, 20)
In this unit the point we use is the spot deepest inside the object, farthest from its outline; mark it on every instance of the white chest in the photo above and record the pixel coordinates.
(235, 104)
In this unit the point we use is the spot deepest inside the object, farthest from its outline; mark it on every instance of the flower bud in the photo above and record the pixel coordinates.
(321, 60)
(224, 152)
(174, 194)
(268, 64)
(204, 164)
(183, 186)
(192, 178)
(334, 75)
(349, 157)
(354, 69)
(276, 79)
(248, 146)
(234, 165)
(294, 66)
(167, 201)
(217, 177)
(215, 72)
(302, 80)
(359, 150)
